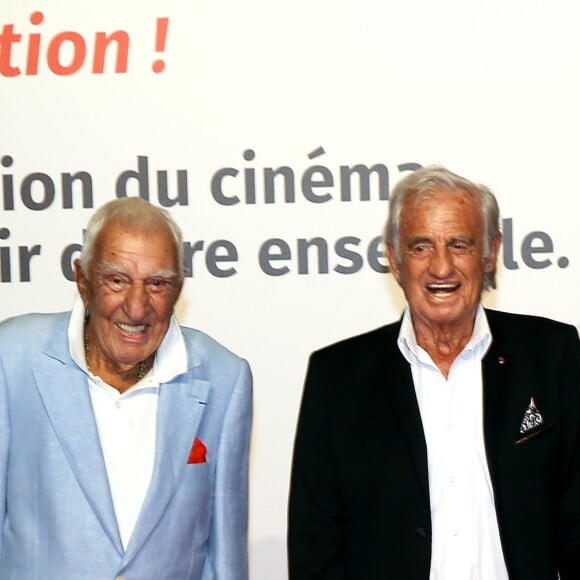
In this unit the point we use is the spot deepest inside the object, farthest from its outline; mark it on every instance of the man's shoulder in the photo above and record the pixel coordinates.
(210, 360)
(202, 345)
(33, 326)
(526, 325)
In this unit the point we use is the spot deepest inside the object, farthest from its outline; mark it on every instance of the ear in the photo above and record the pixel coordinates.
(393, 262)
(178, 290)
(491, 260)
(82, 282)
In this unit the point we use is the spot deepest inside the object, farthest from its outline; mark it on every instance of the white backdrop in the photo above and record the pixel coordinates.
(307, 90)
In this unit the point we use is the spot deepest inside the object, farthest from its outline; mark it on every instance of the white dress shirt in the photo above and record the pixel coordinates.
(127, 422)
(465, 534)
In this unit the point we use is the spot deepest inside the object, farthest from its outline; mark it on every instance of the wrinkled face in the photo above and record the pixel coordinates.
(442, 264)
(131, 291)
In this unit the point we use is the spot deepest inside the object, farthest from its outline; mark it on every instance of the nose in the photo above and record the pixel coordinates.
(136, 301)
(441, 263)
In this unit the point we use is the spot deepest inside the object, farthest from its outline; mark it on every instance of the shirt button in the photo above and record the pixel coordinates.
(455, 533)
(118, 405)
(450, 426)
(452, 479)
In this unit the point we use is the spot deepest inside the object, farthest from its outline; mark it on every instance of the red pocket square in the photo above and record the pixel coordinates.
(198, 451)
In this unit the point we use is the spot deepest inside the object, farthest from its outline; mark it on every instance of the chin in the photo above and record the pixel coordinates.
(454, 317)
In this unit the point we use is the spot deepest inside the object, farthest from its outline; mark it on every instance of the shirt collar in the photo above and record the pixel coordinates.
(479, 342)
(76, 339)
(170, 359)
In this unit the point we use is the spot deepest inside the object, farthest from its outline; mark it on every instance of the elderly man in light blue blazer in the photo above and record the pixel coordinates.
(123, 437)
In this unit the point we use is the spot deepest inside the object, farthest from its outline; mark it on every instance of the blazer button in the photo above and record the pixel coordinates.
(421, 531)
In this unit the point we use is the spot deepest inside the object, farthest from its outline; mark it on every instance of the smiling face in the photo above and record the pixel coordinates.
(130, 292)
(442, 265)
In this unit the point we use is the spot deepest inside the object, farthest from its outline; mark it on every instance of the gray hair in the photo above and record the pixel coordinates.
(131, 211)
(428, 181)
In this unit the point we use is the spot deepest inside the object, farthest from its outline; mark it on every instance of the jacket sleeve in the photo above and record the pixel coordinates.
(228, 538)
(569, 515)
(314, 517)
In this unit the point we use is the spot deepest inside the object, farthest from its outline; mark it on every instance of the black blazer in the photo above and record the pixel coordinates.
(359, 496)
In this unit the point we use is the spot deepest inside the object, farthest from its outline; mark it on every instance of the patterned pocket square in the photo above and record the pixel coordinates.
(198, 452)
(532, 418)
(533, 423)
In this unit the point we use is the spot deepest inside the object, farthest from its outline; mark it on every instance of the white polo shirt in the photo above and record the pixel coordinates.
(465, 539)
(127, 422)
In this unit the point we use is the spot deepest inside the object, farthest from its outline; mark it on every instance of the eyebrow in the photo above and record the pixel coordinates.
(418, 240)
(164, 274)
(426, 240)
(470, 240)
(108, 268)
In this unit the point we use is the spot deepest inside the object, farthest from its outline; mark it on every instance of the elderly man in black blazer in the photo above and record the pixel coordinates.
(445, 446)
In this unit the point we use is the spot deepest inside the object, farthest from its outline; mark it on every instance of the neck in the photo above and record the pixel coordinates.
(442, 342)
(119, 379)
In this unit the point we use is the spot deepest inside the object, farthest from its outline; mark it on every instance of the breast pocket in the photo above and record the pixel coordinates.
(533, 434)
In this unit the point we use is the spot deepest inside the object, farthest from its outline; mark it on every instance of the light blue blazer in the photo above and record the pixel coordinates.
(56, 512)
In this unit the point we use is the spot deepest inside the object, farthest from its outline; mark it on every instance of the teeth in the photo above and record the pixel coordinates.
(131, 328)
(442, 288)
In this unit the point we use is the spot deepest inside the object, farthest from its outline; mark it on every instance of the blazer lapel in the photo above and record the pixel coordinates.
(64, 392)
(407, 410)
(181, 407)
(495, 375)
(397, 374)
